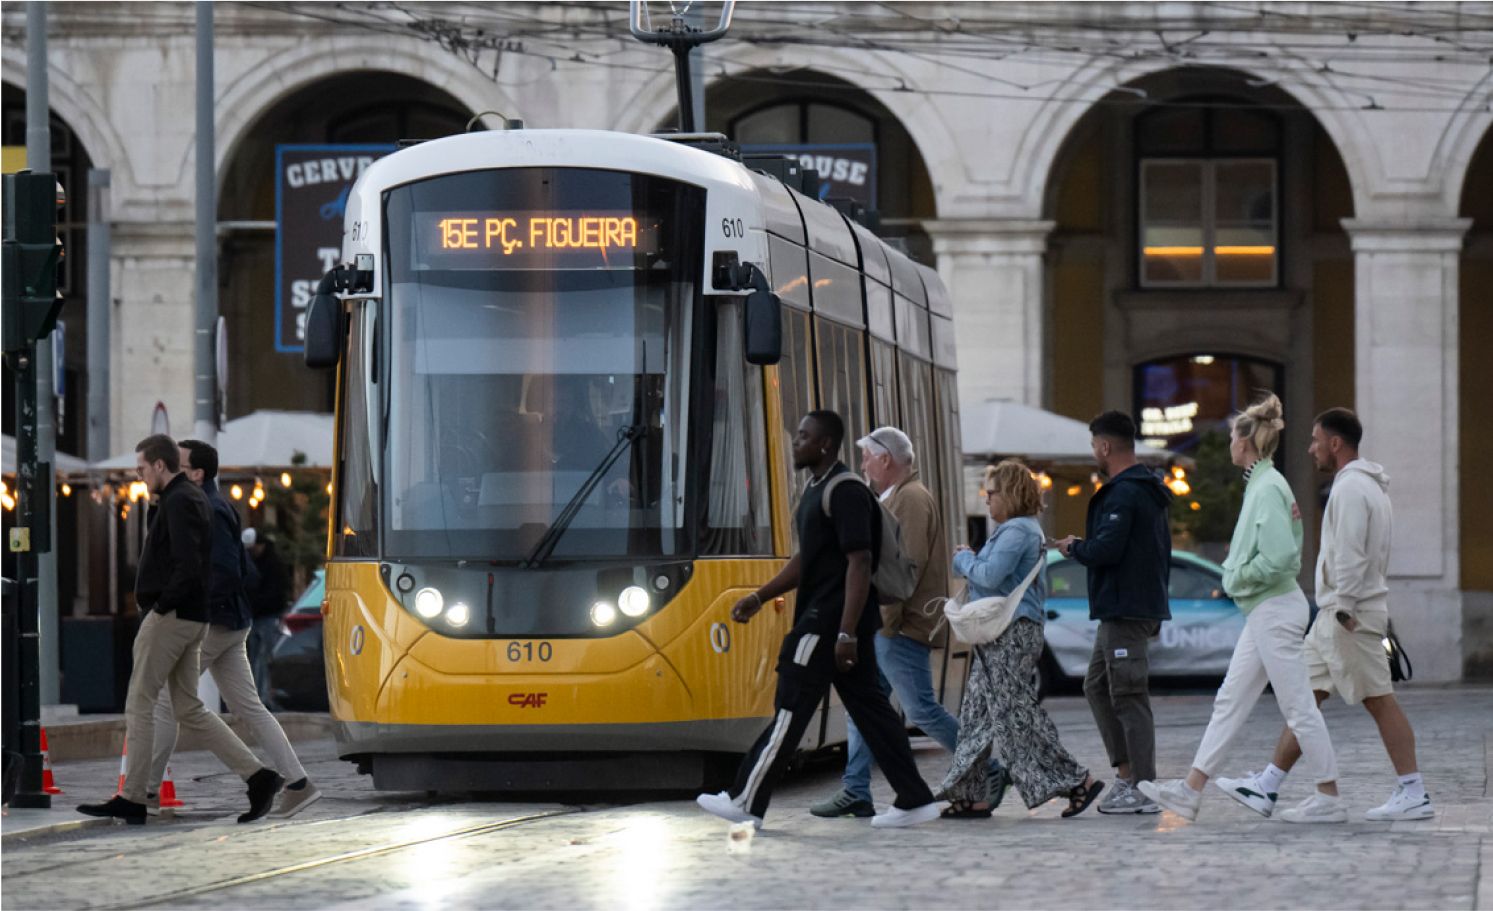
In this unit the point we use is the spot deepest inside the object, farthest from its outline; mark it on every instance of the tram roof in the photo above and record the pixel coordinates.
(600, 149)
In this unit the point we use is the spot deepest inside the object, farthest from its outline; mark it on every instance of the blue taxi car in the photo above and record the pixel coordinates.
(1196, 643)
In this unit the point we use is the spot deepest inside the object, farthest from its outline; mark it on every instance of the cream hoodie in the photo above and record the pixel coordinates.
(1354, 558)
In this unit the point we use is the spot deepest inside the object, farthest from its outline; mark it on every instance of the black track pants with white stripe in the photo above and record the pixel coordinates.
(806, 670)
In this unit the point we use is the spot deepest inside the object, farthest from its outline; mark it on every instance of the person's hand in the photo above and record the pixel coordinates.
(746, 608)
(1065, 545)
(845, 654)
(962, 548)
(1347, 621)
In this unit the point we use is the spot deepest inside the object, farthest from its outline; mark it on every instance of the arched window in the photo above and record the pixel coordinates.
(1208, 182)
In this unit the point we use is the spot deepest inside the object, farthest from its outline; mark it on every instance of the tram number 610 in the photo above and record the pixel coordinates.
(528, 651)
(733, 227)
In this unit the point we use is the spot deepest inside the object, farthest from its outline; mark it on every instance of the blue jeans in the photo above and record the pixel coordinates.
(263, 635)
(906, 670)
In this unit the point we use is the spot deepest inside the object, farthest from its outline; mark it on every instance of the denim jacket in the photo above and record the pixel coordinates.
(1003, 562)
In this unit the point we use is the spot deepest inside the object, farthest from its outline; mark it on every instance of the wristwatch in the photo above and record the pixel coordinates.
(844, 637)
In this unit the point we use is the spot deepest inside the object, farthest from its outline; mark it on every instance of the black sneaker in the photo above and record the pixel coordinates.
(263, 786)
(844, 804)
(117, 807)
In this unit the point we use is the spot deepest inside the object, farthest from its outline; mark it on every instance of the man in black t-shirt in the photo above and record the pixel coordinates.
(835, 617)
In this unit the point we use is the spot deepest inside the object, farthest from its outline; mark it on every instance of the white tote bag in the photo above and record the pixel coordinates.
(984, 619)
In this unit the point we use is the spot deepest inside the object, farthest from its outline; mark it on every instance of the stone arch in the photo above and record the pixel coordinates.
(1461, 144)
(79, 110)
(924, 123)
(1044, 141)
(259, 90)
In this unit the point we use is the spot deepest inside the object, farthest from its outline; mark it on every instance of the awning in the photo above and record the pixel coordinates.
(62, 462)
(262, 440)
(1000, 429)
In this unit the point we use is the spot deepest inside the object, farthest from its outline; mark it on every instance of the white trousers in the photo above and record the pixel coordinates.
(225, 658)
(1270, 651)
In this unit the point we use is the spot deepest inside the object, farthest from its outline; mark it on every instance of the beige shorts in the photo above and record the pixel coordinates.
(1353, 665)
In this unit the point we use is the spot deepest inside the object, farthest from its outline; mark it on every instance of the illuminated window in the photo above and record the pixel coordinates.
(1209, 215)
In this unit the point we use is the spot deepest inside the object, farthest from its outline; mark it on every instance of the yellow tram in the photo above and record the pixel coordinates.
(561, 459)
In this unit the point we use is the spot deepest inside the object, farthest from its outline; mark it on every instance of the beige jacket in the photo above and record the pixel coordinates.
(925, 542)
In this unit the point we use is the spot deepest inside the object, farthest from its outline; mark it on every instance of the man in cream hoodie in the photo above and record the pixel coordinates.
(1344, 649)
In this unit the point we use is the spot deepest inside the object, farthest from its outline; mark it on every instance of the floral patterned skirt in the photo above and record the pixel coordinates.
(1001, 715)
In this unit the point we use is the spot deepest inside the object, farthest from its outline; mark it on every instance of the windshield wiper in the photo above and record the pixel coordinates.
(552, 535)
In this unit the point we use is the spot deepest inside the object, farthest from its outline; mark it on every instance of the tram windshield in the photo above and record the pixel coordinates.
(537, 317)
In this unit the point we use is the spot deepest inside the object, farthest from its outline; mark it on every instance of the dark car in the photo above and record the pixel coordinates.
(298, 676)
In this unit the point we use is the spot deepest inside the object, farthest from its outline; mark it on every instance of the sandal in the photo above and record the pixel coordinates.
(965, 809)
(1080, 797)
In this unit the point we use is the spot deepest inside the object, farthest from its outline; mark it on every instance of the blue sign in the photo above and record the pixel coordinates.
(312, 183)
(846, 170)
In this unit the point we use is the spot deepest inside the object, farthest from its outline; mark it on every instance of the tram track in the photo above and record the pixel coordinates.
(359, 854)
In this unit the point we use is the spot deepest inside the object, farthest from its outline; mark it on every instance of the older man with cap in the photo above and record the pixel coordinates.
(910, 629)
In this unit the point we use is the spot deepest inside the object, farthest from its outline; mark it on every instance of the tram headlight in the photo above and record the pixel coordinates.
(458, 614)
(633, 601)
(603, 614)
(428, 603)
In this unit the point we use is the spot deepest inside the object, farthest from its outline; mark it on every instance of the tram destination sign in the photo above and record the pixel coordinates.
(312, 183)
(534, 240)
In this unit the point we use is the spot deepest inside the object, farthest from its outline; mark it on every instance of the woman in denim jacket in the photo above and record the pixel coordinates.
(1001, 713)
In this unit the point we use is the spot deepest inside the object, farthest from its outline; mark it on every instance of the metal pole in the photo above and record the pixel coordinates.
(697, 73)
(99, 243)
(204, 387)
(39, 158)
(98, 518)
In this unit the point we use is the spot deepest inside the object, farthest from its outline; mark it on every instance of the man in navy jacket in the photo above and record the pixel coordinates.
(1127, 548)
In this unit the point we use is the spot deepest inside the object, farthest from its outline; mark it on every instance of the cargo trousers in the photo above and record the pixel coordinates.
(1118, 687)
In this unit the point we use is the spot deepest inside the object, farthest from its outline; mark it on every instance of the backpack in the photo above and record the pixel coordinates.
(894, 574)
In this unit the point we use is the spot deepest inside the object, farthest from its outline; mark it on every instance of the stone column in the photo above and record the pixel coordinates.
(1405, 346)
(994, 272)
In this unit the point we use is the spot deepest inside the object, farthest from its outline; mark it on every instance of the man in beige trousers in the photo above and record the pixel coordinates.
(224, 652)
(171, 584)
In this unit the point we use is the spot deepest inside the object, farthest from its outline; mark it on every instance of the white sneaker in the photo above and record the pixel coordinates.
(1401, 806)
(1250, 792)
(894, 818)
(723, 806)
(1173, 795)
(1317, 808)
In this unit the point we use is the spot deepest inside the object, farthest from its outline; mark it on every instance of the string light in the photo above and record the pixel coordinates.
(1194, 506)
(1075, 490)
(236, 492)
(329, 488)
(138, 491)
(284, 479)
(67, 489)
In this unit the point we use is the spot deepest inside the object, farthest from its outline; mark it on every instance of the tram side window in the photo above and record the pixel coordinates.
(842, 381)
(916, 380)
(883, 384)
(796, 388)
(737, 512)
(357, 499)
(951, 468)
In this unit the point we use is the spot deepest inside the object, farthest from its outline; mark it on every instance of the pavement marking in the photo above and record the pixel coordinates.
(342, 858)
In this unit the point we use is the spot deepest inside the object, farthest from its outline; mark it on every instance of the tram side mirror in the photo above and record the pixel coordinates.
(763, 329)
(323, 331)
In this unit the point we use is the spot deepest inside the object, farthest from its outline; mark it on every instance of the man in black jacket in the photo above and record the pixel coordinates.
(224, 654)
(172, 585)
(1128, 552)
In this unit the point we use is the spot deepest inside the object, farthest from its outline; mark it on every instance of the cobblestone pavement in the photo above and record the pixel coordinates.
(366, 850)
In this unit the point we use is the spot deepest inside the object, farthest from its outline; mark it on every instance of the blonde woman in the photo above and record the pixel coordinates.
(1000, 714)
(1260, 575)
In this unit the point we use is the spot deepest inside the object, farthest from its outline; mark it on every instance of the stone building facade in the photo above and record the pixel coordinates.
(1121, 197)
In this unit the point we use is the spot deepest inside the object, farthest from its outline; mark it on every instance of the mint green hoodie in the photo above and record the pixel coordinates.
(1265, 554)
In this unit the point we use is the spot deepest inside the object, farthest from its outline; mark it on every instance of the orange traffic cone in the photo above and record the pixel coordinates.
(48, 783)
(168, 792)
(123, 761)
